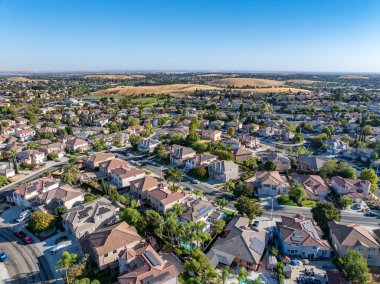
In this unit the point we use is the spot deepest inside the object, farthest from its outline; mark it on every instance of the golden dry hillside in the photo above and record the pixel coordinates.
(115, 76)
(23, 79)
(242, 82)
(174, 89)
(301, 81)
(274, 90)
(353, 77)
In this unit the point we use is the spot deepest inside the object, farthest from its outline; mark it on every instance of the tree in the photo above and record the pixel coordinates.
(297, 193)
(317, 141)
(231, 131)
(199, 172)
(99, 145)
(117, 141)
(248, 207)
(371, 176)
(355, 267)
(298, 138)
(192, 138)
(70, 174)
(174, 174)
(221, 203)
(161, 153)
(225, 273)
(345, 201)
(270, 166)
(198, 192)
(3, 180)
(133, 121)
(66, 261)
(199, 264)
(52, 156)
(154, 223)
(194, 124)
(366, 130)
(61, 210)
(135, 140)
(174, 187)
(41, 221)
(218, 227)
(325, 212)
(242, 274)
(334, 168)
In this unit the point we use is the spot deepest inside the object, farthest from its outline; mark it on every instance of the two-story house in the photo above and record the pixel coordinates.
(356, 189)
(223, 171)
(180, 154)
(270, 183)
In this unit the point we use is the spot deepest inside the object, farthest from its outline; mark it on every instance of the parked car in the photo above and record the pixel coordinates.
(58, 247)
(20, 234)
(24, 215)
(370, 213)
(61, 239)
(4, 257)
(28, 240)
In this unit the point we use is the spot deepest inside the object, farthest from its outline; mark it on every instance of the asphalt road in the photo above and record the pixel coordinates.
(26, 262)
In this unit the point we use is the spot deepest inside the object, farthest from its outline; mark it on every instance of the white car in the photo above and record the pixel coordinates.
(59, 247)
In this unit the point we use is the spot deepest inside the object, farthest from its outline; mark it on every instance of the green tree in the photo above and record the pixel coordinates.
(198, 192)
(199, 264)
(317, 141)
(134, 218)
(270, 166)
(248, 207)
(61, 210)
(117, 141)
(174, 174)
(297, 193)
(222, 202)
(192, 138)
(345, 202)
(226, 271)
(3, 180)
(242, 274)
(194, 124)
(325, 212)
(66, 261)
(133, 121)
(371, 176)
(355, 267)
(218, 227)
(52, 156)
(199, 172)
(334, 168)
(99, 145)
(366, 131)
(41, 221)
(231, 131)
(154, 223)
(298, 138)
(135, 140)
(70, 174)
(161, 153)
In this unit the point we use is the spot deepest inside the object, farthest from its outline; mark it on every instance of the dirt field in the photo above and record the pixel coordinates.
(301, 81)
(23, 79)
(115, 76)
(274, 90)
(174, 89)
(242, 82)
(353, 77)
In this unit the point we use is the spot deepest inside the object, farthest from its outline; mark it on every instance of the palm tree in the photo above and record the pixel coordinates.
(198, 193)
(221, 203)
(225, 274)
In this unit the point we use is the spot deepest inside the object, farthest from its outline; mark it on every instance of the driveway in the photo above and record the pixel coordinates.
(7, 218)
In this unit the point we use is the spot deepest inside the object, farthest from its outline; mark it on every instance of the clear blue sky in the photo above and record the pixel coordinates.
(252, 35)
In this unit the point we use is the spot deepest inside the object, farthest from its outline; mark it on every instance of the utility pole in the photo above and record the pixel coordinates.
(271, 212)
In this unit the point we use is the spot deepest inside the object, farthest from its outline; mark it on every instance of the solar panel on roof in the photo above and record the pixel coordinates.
(103, 210)
(152, 258)
(84, 213)
(203, 210)
(257, 245)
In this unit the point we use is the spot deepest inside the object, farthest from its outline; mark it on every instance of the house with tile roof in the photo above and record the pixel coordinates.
(270, 183)
(141, 187)
(106, 167)
(92, 162)
(310, 163)
(105, 244)
(356, 189)
(143, 265)
(86, 218)
(315, 186)
(162, 199)
(180, 154)
(241, 244)
(122, 177)
(282, 162)
(345, 237)
(300, 237)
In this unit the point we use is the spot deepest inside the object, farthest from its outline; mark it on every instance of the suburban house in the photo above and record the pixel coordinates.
(25, 134)
(200, 159)
(141, 187)
(180, 154)
(356, 189)
(31, 157)
(270, 183)
(151, 267)
(315, 186)
(148, 145)
(62, 196)
(240, 244)
(24, 195)
(233, 143)
(77, 144)
(162, 199)
(105, 244)
(200, 210)
(223, 171)
(301, 238)
(310, 163)
(335, 146)
(345, 237)
(7, 169)
(212, 135)
(250, 141)
(86, 218)
(92, 162)
(122, 177)
(242, 154)
(53, 148)
(282, 162)
(106, 167)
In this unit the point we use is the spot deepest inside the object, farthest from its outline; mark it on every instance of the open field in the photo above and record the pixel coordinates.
(115, 76)
(242, 82)
(23, 79)
(302, 81)
(353, 77)
(273, 90)
(174, 89)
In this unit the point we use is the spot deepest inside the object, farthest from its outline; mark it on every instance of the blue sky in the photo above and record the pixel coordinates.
(252, 35)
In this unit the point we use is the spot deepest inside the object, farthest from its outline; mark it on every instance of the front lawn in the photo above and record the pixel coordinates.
(285, 200)
(309, 203)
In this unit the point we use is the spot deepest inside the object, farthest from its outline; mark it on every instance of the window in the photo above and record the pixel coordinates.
(106, 255)
(114, 251)
(371, 249)
(370, 256)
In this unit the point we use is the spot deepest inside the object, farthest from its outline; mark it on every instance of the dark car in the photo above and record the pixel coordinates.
(61, 239)
(28, 240)
(20, 234)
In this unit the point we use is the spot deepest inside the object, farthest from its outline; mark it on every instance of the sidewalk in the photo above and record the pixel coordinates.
(4, 275)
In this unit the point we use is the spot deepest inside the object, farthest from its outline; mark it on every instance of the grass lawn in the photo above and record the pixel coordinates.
(285, 200)
(144, 101)
(228, 213)
(309, 203)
